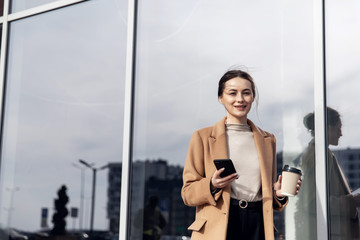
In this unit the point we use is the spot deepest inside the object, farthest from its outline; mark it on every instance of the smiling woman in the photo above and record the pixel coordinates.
(252, 192)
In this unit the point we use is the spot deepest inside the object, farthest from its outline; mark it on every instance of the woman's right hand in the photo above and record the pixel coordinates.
(219, 182)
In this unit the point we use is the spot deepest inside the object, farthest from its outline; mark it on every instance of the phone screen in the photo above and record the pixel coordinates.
(227, 164)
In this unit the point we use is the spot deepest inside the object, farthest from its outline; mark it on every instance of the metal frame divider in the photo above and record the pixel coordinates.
(320, 122)
(43, 8)
(3, 54)
(128, 121)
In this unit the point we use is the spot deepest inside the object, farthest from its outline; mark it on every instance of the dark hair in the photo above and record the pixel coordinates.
(233, 74)
(333, 118)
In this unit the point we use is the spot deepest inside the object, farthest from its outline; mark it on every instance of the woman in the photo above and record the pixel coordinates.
(343, 205)
(239, 206)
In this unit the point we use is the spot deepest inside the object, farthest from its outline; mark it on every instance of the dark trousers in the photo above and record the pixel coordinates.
(245, 223)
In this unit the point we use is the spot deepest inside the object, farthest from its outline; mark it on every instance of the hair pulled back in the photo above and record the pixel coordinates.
(333, 118)
(233, 74)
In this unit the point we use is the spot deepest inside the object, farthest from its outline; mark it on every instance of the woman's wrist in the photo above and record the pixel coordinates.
(280, 198)
(213, 189)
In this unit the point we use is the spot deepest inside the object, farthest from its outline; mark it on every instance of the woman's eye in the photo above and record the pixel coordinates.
(232, 93)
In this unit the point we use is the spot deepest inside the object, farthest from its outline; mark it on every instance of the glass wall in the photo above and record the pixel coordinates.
(63, 119)
(183, 49)
(63, 110)
(19, 5)
(342, 69)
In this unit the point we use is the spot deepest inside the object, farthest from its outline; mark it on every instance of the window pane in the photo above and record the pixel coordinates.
(184, 47)
(64, 102)
(19, 5)
(343, 55)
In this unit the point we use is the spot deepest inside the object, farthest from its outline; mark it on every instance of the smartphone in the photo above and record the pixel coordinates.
(227, 164)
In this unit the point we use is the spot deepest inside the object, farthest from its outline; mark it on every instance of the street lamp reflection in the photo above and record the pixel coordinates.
(91, 166)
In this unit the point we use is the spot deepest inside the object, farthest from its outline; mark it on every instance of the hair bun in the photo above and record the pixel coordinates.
(309, 121)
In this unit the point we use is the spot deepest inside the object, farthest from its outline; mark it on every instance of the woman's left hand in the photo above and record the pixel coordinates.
(277, 187)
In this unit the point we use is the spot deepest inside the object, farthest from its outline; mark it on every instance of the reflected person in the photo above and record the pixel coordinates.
(151, 219)
(240, 205)
(344, 221)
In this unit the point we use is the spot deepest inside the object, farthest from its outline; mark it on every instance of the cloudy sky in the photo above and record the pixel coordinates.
(65, 89)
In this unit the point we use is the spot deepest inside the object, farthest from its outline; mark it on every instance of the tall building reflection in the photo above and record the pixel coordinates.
(113, 194)
(349, 160)
(154, 178)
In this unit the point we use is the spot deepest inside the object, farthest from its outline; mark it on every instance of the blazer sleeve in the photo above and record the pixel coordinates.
(196, 186)
(278, 204)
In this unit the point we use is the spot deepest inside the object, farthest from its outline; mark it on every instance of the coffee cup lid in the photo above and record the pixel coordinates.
(287, 168)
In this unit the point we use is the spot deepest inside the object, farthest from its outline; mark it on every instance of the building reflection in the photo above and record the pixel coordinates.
(150, 220)
(349, 160)
(151, 178)
(157, 179)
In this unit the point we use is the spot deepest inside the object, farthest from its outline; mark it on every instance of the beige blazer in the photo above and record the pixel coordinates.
(212, 212)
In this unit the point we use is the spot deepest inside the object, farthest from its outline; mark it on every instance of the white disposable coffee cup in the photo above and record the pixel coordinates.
(290, 177)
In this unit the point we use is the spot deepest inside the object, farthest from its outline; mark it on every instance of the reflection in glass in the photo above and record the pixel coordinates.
(342, 71)
(1, 7)
(64, 102)
(305, 208)
(181, 54)
(344, 220)
(19, 5)
(339, 189)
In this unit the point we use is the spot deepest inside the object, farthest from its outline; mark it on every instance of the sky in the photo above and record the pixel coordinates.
(65, 90)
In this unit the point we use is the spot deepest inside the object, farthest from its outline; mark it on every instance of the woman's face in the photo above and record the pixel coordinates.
(334, 133)
(237, 99)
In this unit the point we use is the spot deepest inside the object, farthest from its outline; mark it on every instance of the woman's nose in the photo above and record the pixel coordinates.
(239, 98)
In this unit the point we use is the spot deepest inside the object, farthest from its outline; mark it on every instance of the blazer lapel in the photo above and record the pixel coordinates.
(217, 141)
(218, 150)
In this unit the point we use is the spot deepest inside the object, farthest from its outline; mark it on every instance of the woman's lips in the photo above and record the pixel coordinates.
(240, 107)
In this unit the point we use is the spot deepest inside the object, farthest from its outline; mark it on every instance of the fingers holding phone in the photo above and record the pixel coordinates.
(225, 174)
(220, 182)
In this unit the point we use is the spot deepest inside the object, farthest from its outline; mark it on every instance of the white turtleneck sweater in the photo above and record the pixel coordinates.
(242, 151)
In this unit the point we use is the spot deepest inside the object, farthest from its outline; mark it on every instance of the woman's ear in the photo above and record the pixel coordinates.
(220, 99)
